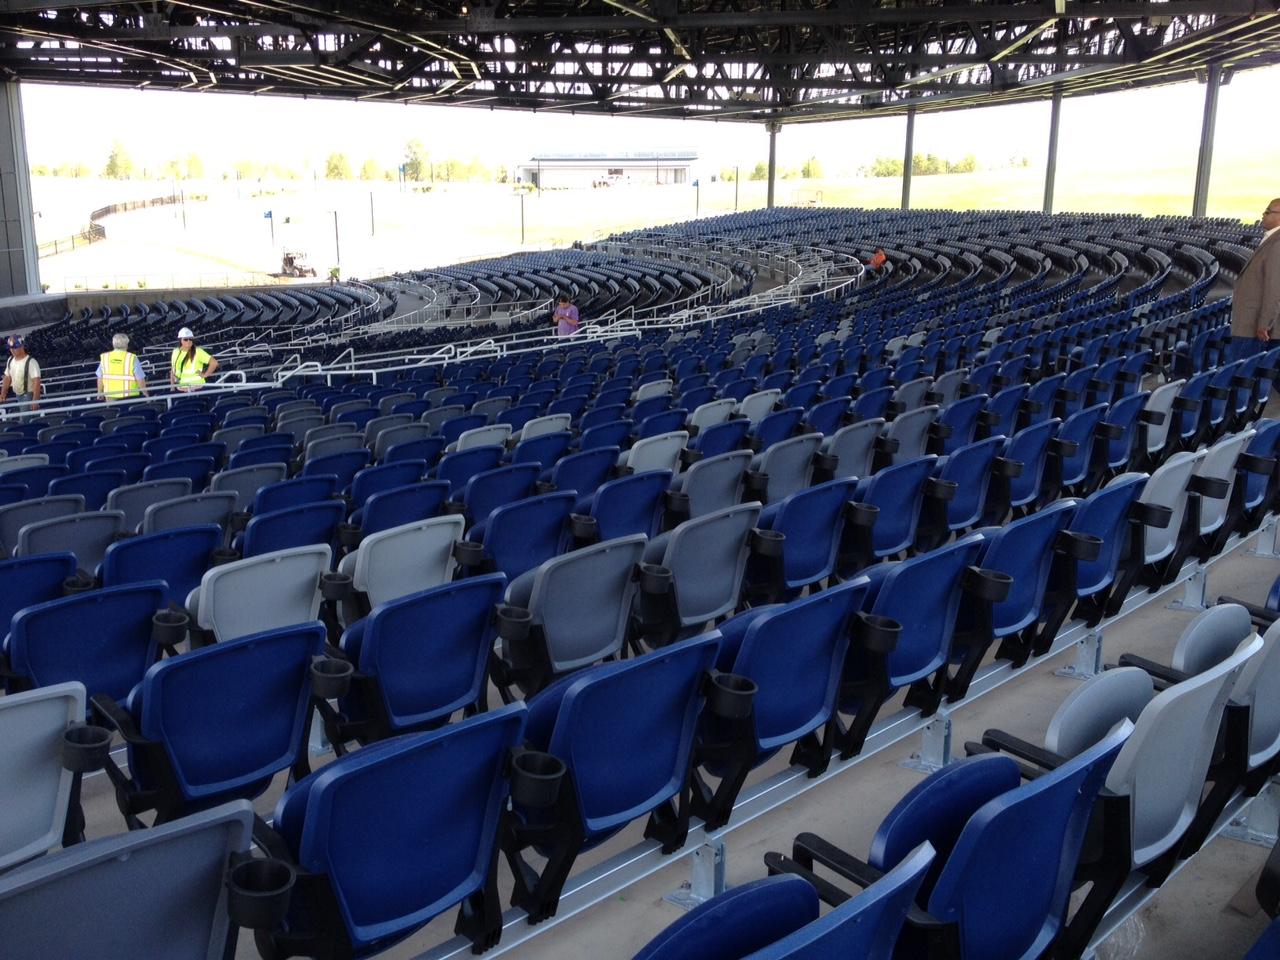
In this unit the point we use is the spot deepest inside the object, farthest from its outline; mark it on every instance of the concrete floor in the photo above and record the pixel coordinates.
(1207, 912)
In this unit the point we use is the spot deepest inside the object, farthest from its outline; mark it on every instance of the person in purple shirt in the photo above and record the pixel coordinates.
(566, 317)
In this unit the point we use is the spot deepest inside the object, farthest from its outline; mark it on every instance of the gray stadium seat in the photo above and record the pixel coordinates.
(15, 516)
(87, 535)
(260, 593)
(190, 511)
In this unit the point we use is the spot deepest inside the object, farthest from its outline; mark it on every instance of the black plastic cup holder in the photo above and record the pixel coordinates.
(85, 747)
(991, 585)
(876, 633)
(468, 553)
(827, 462)
(335, 586)
(756, 486)
(536, 778)
(349, 535)
(731, 696)
(223, 555)
(1080, 546)
(543, 486)
(677, 501)
(514, 622)
(861, 514)
(655, 579)
(78, 583)
(169, 627)
(331, 677)
(944, 490)
(767, 543)
(583, 527)
(258, 893)
(239, 520)
(1005, 467)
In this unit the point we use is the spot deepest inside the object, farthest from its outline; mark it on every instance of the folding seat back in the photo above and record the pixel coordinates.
(584, 472)
(195, 510)
(36, 480)
(215, 451)
(898, 492)
(383, 887)
(195, 469)
(482, 436)
(826, 417)
(1042, 396)
(521, 535)
(812, 520)
(244, 482)
(756, 406)
(707, 557)
(661, 452)
(1159, 407)
(455, 427)
(651, 407)
(1024, 550)
(716, 482)
(294, 493)
(544, 449)
(176, 877)
(722, 438)
(405, 433)
(310, 523)
(601, 414)
(608, 795)
(853, 447)
(1258, 688)
(1167, 487)
(1265, 443)
(581, 601)
(1030, 447)
(344, 466)
(378, 425)
(1080, 428)
(31, 580)
(260, 593)
(1218, 462)
(1006, 913)
(923, 595)
(911, 432)
(227, 716)
(459, 467)
(55, 450)
(711, 413)
(910, 394)
(178, 556)
(95, 486)
(405, 559)
(490, 407)
(101, 638)
(1104, 514)
(788, 464)
(427, 650)
(328, 446)
(961, 418)
(551, 423)
(1002, 409)
(87, 535)
(35, 789)
(630, 504)
(969, 467)
(947, 386)
(21, 462)
(387, 476)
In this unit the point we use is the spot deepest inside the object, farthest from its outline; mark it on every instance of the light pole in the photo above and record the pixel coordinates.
(337, 248)
(737, 177)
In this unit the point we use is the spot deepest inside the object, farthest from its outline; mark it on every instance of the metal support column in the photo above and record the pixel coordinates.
(1051, 166)
(19, 266)
(707, 878)
(935, 746)
(907, 154)
(773, 127)
(1204, 162)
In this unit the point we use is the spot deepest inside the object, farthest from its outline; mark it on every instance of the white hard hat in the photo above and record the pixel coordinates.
(186, 334)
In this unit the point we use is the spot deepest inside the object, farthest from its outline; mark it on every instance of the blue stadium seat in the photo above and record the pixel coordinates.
(459, 467)
(178, 556)
(344, 466)
(95, 486)
(630, 504)
(195, 469)
(572, 720)
(812, 524)
(419, 660)
(295, 493)
(583, 472)
(310, 523)
(362, 839)
(215, 724)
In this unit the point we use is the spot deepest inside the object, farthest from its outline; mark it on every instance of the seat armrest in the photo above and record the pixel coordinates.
(1063, 448)
(1242, 383)
(810, 849)
(1159, 671)
(939, 489)
(110, 714)
(1215, 488)
(1154, 515)
(1252, 463)
(1007, 743)
(1152, 417)
(1186, 404)
(861, 514)
(689, 456)
(766, 543)
(1217, 393)
(1110, 431)
(1004, 467)
(887, 444)
(988, 418)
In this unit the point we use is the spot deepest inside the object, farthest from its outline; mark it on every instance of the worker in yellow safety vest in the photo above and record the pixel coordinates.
(120, 373)
(189, 364)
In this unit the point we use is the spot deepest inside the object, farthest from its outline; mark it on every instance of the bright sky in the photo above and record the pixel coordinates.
(1159, 127)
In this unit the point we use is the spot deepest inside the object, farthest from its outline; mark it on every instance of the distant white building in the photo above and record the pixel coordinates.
(579, 170)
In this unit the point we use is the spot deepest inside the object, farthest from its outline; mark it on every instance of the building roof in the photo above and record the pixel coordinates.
(784, 61)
